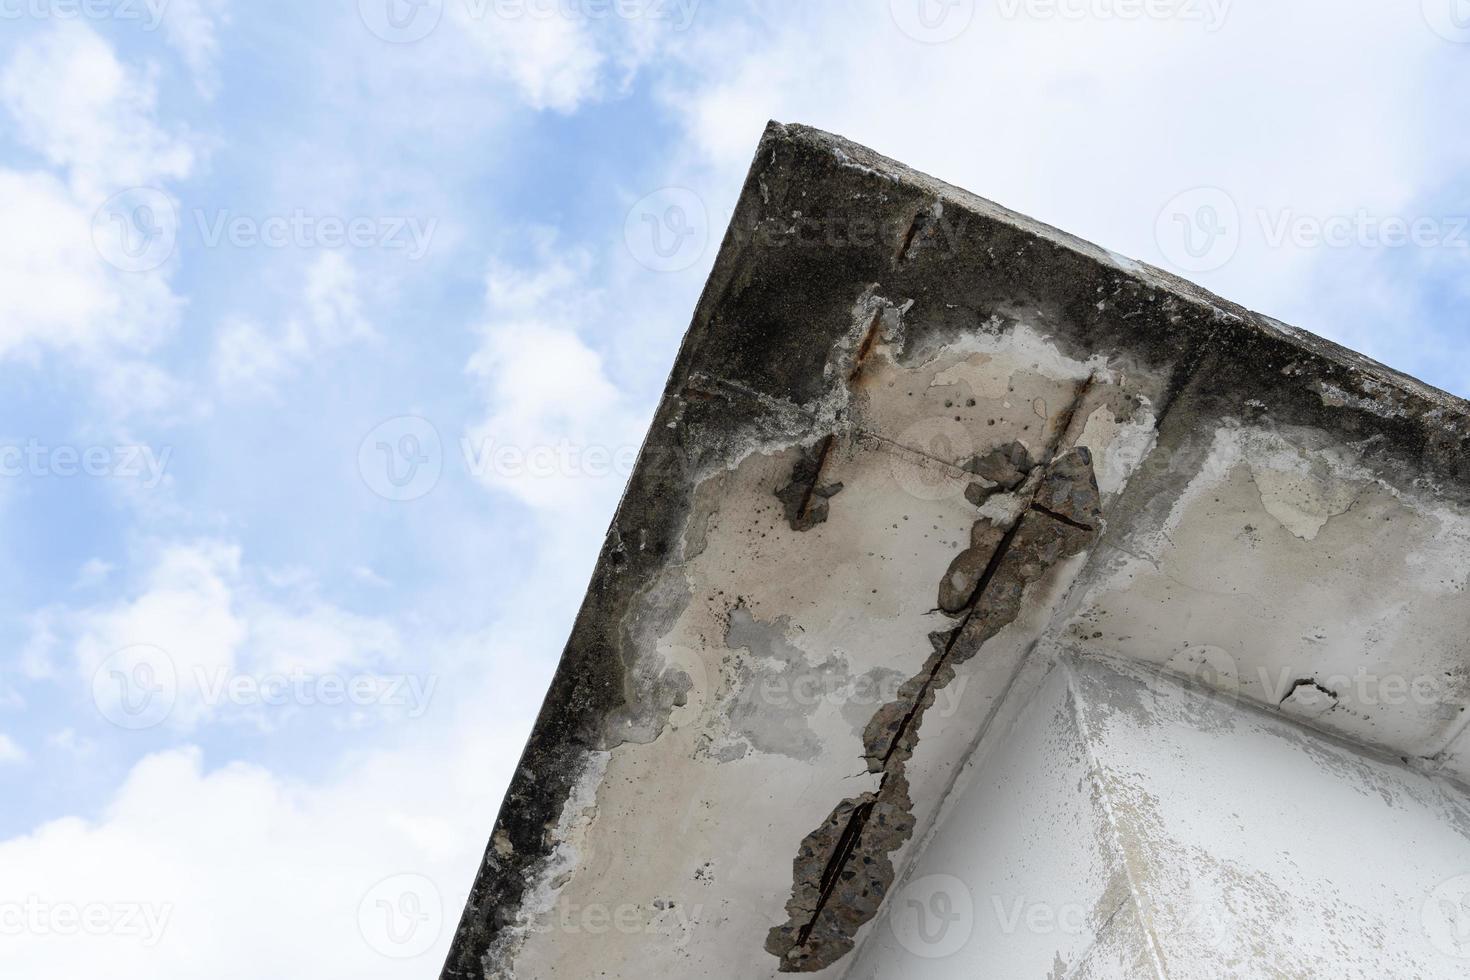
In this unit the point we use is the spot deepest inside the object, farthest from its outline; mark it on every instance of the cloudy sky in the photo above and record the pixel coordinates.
(328, 331)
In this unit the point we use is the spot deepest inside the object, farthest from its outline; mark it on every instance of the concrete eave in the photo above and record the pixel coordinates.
(1267, 509)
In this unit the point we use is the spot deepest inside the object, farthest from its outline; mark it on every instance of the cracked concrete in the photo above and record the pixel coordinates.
(1175, 864)
(886, 486)
(841, 878)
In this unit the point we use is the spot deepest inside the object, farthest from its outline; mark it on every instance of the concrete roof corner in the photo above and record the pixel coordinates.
(913, 445)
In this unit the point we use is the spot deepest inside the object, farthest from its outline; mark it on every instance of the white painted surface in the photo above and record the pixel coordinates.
(1151, 829)
(1274, 557)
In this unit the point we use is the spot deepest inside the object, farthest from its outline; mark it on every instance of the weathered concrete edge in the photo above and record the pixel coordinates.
(1148, 275)
(591, 681)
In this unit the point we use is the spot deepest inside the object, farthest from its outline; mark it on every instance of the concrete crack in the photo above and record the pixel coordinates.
(844, 868)
(1062, 517)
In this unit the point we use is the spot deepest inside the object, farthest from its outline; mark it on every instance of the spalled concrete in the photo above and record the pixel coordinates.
(915, 450)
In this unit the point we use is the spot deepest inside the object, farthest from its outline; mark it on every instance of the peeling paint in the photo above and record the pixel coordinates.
(553, 872)
(778, 725)
(844, 868)
(1300, 489)
(1214, 484)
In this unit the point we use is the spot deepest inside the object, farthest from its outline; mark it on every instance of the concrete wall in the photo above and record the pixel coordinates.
(1126, 825)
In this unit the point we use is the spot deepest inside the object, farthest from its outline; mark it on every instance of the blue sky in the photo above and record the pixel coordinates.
(250, 462)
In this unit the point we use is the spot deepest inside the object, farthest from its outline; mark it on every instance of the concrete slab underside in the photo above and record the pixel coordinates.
(1124, 825)
(917, 455)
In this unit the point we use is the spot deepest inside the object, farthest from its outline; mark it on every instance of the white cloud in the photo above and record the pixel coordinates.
(262, 875)
(317, 638)
(74, 746)
(1094, 124)
(236, 873)
(553, 62)
(558, 433)
(186, 610)
(94, 116)
(11, 754)
(55, 289)
(333, 303)
(200, 619)
(552, 56)
(135, 385)
(251, 874)
(249, 354)
(246, 352)
(192, 27)
(93, 120)
(94, 572)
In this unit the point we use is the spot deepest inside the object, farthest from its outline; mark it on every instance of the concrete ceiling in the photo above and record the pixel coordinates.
(912, 443)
